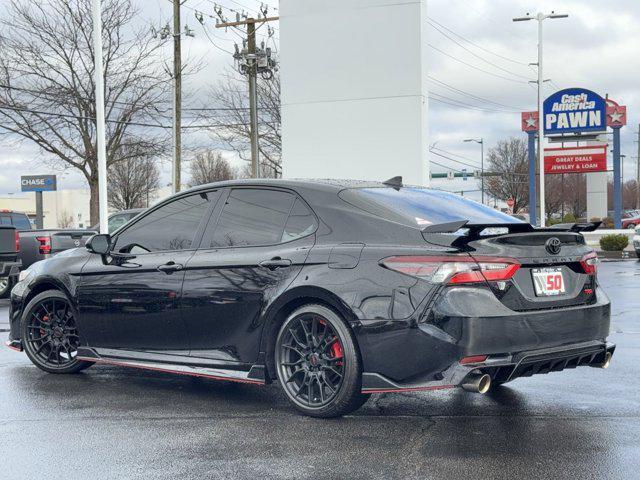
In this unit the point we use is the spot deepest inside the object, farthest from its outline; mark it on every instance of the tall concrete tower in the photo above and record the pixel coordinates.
(354, 89)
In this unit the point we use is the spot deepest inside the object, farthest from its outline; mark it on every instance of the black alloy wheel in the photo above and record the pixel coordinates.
(50, 335)
(6, 284)
(317, 363)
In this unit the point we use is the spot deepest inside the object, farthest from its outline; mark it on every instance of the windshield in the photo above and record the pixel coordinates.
(421, 207)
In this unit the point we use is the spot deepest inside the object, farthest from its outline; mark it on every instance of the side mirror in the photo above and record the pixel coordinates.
(100, 244)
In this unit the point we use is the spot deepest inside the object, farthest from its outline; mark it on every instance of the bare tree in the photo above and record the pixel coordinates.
(576, 194)
(65, 219)
(209, 166)
(554, 195)
(131, 182)
(47, 85)
(233, 129)
(509, 159)
(629, 192)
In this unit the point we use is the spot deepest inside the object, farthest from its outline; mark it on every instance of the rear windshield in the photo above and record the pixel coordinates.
(421, 207)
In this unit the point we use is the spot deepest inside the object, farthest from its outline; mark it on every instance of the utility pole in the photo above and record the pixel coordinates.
(100, 120)
(638, 173)
(252, 73)
(177, 97)
(540, 17)
(481, 142)
(252, 60)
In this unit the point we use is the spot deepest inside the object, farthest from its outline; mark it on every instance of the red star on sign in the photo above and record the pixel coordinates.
(529, 121)
(616, 115)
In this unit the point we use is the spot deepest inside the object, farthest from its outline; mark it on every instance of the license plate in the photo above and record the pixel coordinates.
(548, 281)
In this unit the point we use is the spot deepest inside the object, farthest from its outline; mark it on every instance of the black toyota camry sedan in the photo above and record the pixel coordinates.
(334, 289)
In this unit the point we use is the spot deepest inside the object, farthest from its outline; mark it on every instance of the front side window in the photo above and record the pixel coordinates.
(116, 222)
(252, 216)
(170, 227)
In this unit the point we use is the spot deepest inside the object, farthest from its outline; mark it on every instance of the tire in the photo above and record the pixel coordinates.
(6, 284)
(49, 333)
(318, 363)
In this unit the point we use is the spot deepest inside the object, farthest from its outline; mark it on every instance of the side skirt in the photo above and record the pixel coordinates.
(254, 376)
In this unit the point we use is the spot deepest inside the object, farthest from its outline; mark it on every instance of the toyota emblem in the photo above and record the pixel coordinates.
(553, 245)
(76, 243)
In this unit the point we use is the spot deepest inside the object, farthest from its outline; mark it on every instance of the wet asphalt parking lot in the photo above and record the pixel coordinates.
(117, 423)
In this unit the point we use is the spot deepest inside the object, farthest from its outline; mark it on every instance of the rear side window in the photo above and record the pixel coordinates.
(170, 227)
(421, 207)
(20, 221)
(301, 222)
(252, 216)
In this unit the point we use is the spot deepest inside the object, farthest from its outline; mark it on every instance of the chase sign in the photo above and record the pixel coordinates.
(574, 110)
(38, 183)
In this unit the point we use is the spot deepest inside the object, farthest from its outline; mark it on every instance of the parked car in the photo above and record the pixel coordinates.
(630, 218)
(9, 261)
(39, 244)
(636, 241)
(116, 220)
(335, 289)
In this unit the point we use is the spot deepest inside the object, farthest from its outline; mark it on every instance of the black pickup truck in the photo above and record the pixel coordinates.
(9, 261)
(38, 244)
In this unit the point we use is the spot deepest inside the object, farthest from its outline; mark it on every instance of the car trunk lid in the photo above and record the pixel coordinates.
(552, 271)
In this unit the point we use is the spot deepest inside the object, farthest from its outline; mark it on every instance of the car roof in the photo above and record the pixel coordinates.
(317, 183)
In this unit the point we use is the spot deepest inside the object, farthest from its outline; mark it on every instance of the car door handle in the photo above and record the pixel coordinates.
(276, 263)
(170, 267)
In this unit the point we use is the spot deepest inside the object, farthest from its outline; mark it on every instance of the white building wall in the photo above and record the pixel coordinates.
(354, 91)
(597, 195)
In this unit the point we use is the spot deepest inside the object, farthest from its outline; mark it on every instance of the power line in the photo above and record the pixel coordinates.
(120, 102)
(476, 45)
(459, 104)
(454, 160)
(471, 95)
(476, 55)
(140, 124)
(474, 66)
(451, 153)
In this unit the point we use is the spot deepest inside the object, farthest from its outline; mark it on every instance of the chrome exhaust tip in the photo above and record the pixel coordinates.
(607, 361)
(477, 383)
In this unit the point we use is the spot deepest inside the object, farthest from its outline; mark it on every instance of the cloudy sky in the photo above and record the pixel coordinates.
(478, 71)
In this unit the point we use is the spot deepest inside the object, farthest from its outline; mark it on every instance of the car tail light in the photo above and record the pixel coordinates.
(17, 240)
(590, 263)
(454, 269)
(45, 245)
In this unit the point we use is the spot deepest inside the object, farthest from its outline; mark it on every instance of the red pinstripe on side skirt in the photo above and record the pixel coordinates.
(409, 389)
(167, 370)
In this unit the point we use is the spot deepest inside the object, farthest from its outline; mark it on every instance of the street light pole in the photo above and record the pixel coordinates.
(540, 17)
(100, 121)
(481, 142)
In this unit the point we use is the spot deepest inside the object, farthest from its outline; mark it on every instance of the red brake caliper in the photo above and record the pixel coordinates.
(45, 318)
(336, 347)
(336, 350)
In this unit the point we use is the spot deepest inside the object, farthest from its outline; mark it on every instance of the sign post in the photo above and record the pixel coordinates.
(38, 184)
(530, 125)
(616, 119)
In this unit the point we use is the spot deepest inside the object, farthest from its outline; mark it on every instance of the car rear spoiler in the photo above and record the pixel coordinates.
(444, 234)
